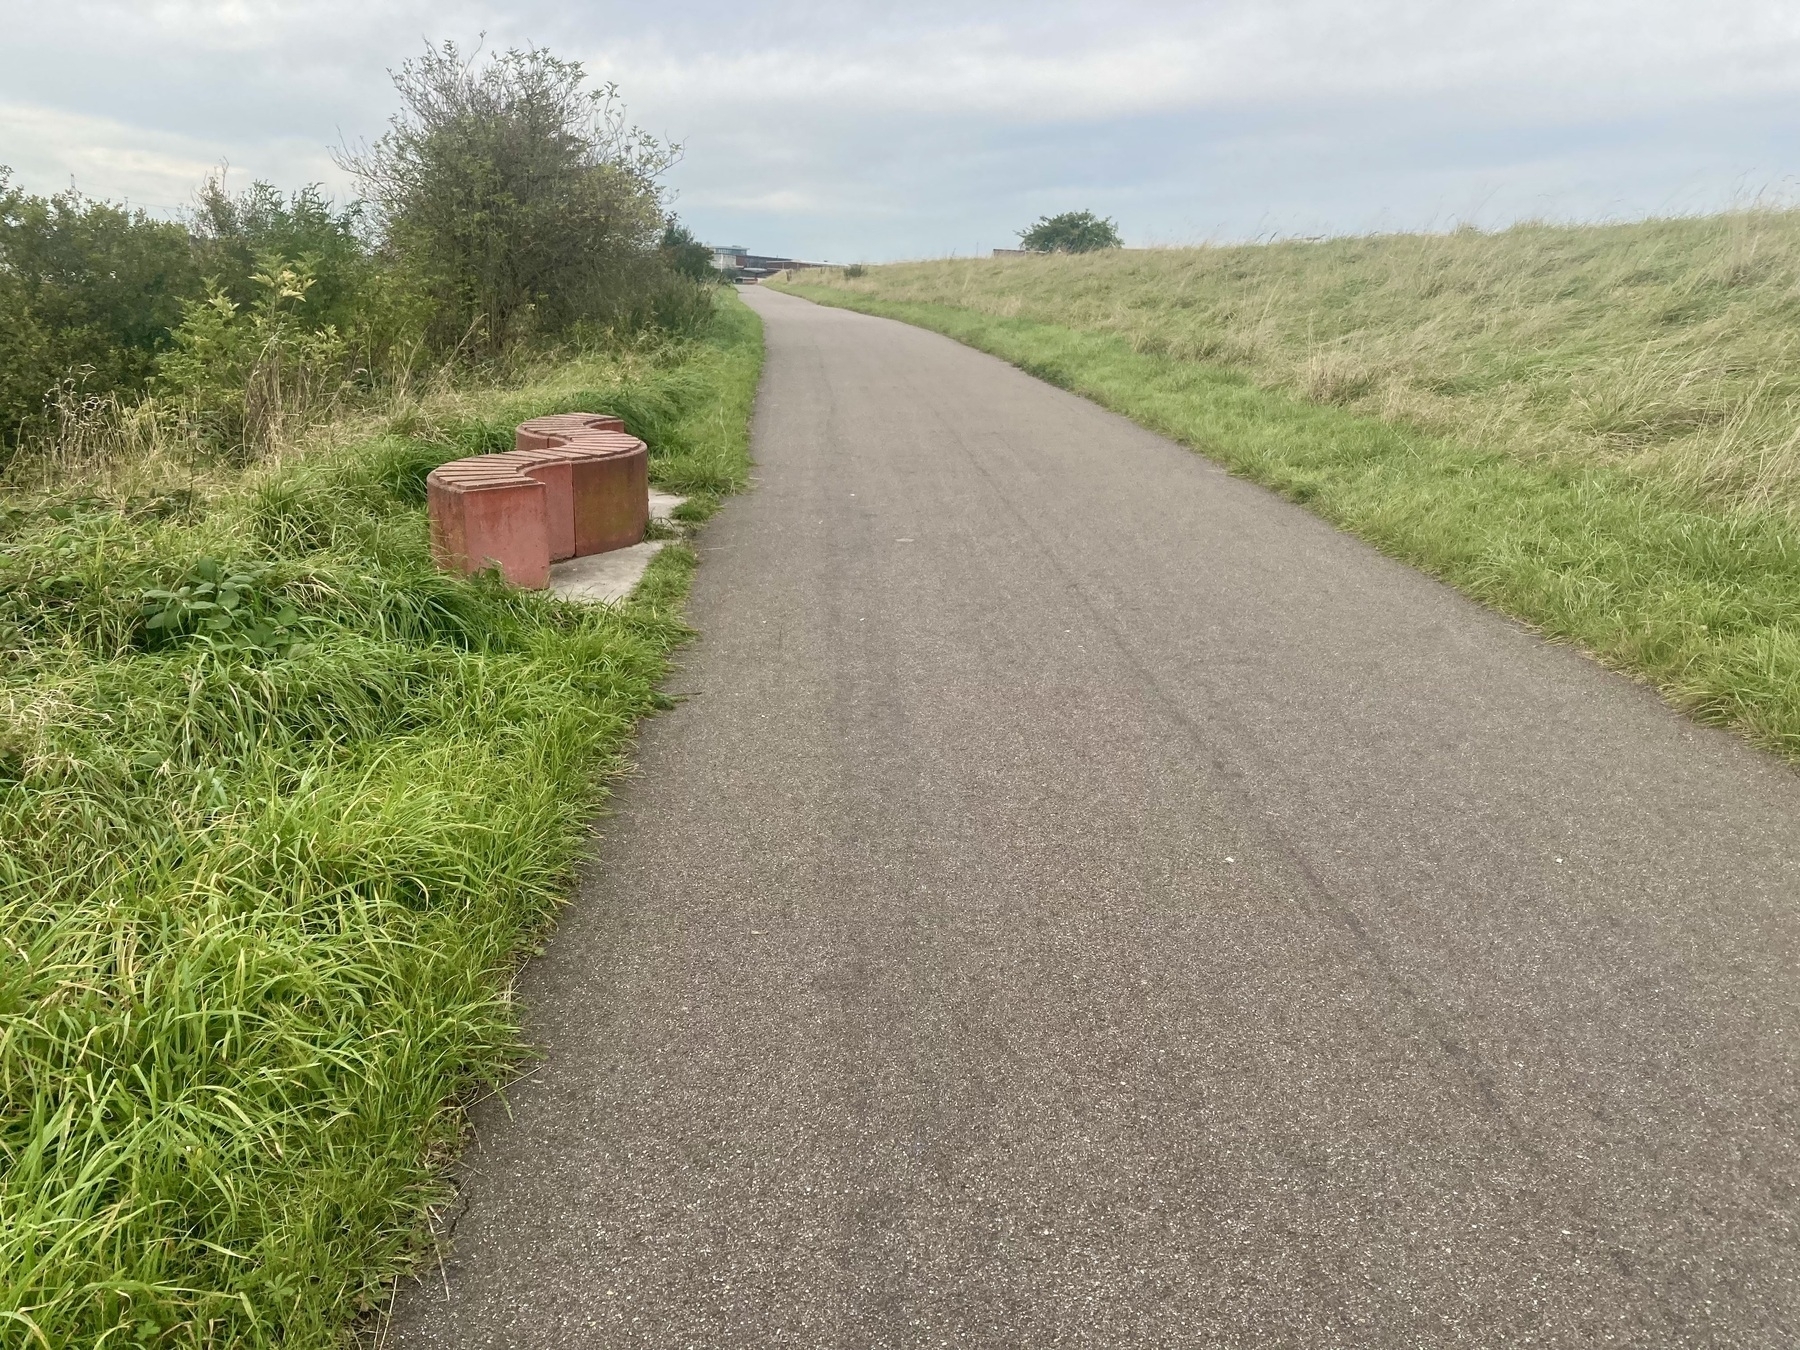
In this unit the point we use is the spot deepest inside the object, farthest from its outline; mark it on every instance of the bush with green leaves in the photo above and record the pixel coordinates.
(685, 255)
(244, 315)
(519, 197)
(1071, 232)
(234, 236)
(253, 375)
(90, 293)
(509, 208)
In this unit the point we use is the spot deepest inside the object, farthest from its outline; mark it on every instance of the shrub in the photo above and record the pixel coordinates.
(685, 255)
(235, 236)
(250, 376)
(1071, 232)
(518, 197)
(88, 290)
(680, 305)
(507, 202)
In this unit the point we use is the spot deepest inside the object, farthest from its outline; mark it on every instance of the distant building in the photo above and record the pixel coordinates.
(1011, 252)
(740, 264)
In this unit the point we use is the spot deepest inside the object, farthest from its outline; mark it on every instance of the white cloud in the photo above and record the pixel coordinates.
(784, 199)
(51, 149)
(857, 127)
(1242, 52)
(103, 157)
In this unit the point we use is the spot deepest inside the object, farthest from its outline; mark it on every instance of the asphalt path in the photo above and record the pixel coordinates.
(1084, 900)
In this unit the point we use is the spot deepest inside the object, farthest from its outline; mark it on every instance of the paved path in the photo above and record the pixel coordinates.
(1088, 901)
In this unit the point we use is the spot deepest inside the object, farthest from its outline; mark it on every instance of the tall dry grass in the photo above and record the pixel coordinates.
(116, 448)
(1666, 347)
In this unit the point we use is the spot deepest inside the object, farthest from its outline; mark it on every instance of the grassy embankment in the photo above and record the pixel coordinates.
(1595, 429)
(265, 883)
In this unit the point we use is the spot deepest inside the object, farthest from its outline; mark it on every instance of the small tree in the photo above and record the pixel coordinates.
(1071, 232)
(518, 197)
(685, 255)
(235, 234)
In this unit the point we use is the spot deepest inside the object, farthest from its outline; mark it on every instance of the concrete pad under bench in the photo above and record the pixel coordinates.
(604, 578)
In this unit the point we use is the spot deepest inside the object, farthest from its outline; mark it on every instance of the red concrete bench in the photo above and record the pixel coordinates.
(576, 484)
(610, 472)
(540, 432)
(556, 472)
(489, 515)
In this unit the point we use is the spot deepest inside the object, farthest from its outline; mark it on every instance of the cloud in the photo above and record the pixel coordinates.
(154, 170)
(1217, 55)
(866, 129)
(784, 200)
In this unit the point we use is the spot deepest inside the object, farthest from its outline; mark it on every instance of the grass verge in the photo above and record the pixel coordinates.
(270, 862)
(1665, 347)
(1702, 600)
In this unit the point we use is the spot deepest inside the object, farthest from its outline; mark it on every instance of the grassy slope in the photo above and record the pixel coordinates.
(1696, 588)
(1667, 347)
(260, 912)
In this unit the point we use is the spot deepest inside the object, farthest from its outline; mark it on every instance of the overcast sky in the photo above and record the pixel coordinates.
(848, 131)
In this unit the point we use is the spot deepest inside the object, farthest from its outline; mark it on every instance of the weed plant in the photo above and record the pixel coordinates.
(280, 808)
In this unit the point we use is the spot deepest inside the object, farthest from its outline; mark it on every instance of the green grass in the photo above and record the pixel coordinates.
(262, 890)
(1666, 347)
(1655, 579)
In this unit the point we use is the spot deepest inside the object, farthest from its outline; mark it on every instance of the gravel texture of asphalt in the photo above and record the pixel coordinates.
(1082, 899)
